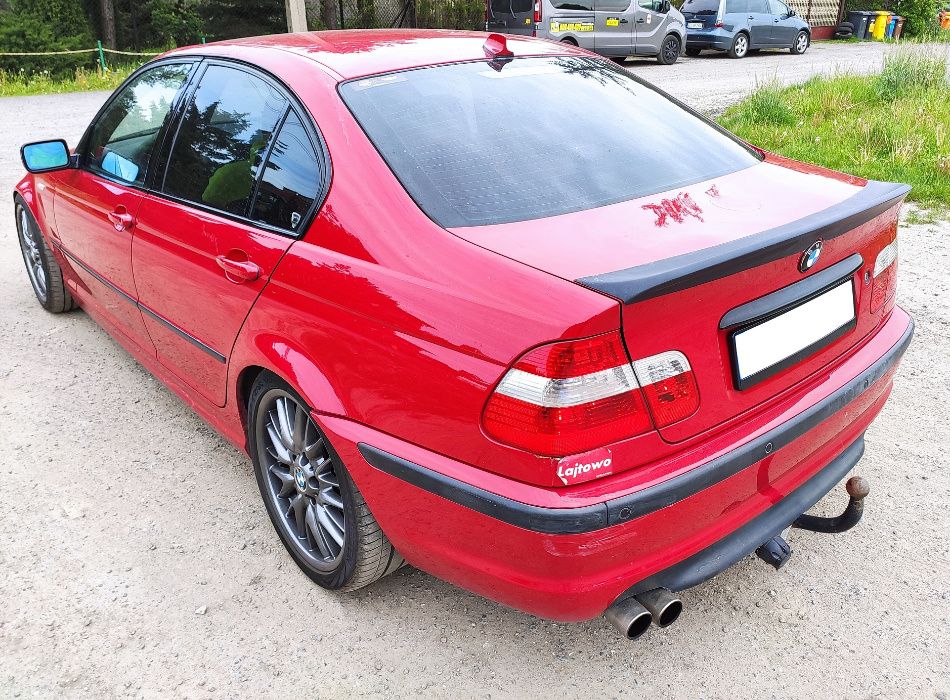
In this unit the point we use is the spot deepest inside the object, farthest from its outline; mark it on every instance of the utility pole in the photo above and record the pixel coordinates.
(296, 16)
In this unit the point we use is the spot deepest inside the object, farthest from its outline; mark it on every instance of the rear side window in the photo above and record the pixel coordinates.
(123, 138)
(701, 7)
(760, 6)
(586, 5)
(737, 7)
(480, 144)
(291, 178)
(223, 139)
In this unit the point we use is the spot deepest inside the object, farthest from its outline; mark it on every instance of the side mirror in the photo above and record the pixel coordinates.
(665, 6)
(43, 156)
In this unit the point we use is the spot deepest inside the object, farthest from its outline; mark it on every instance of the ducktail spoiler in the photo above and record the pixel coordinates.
(692, 269)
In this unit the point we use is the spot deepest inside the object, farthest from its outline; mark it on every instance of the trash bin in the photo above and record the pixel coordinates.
(879, 30)
(945, 20)
(899, 27)
(859, 19)
(891, 23)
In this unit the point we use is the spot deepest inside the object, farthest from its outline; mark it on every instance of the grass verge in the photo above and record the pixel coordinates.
(893, 126)
(15, 84)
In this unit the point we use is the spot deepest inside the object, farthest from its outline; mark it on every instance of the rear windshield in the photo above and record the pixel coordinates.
(479, 143)
(701, 7)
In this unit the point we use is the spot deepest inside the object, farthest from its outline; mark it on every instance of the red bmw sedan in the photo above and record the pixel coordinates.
(490, 306)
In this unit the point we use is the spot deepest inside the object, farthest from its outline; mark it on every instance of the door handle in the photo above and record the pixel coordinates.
(641, 20)
(623, 21)
(775, 20)
(238, 271)
(751, 16)
(121, 219)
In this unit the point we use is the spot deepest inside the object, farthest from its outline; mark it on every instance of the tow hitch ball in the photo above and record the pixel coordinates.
(776, 551)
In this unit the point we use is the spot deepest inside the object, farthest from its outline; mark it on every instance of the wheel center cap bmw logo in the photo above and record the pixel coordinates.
(810, 257)
(300, 478)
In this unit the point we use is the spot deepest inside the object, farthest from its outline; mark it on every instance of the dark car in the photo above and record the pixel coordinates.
(741, 26)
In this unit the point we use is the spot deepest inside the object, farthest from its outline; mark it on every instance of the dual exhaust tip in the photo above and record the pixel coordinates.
(633, 616)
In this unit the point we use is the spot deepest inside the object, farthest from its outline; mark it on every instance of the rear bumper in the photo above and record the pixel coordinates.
(709, 39)
(571, 563)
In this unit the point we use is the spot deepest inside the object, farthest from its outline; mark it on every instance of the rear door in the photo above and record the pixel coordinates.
(522, 17)
(241, 182)
(760, 23)
(613, 27)
(96, 204)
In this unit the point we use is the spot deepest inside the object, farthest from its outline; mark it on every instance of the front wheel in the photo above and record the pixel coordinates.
(740, 46)
(317, 510)
(46, 276)
(801, 43)
(669, 50)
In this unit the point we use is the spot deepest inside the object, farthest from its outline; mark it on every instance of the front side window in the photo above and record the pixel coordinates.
(779, 8)
(124, 136)
(291, 178)
(223, 139)
(476, 143)
(652, 5)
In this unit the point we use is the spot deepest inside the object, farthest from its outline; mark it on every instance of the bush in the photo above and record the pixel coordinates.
(45, 25)
(920, 15)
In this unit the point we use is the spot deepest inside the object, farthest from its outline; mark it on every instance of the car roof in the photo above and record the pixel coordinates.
(356, 52)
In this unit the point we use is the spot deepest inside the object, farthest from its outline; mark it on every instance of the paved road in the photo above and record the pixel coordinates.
(122, 514)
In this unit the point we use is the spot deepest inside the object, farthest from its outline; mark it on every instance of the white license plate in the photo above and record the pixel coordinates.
(767, 345)
(694, 25)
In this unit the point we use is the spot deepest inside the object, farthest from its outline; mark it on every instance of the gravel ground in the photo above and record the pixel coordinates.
(136, 558)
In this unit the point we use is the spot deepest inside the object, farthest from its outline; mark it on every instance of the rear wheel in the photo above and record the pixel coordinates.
(568, 40)
(740, 46)
(693, 52)
(801, 43)
(669, 50)
(44, 272)
(317, 510)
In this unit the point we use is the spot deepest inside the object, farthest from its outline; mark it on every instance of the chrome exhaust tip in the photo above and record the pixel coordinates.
(629, 617)
(662, 605)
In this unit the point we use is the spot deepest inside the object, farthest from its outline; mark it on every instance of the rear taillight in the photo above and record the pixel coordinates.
(885, 276)
(719, 25)
(669, 386)
(537, 11)
(568, 397)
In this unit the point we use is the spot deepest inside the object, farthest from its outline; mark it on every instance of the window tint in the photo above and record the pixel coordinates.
(223, 139)
(291, 178)
(737, 7)
(123, 138)
(587, 5)
(701, 7)
(522, 6)
(500, 7)
(475, 144)
(652, 5)
(760, 6)
(611, 5)
(779, 8)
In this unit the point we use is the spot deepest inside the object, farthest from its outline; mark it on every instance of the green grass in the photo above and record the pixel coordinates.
(893, 126)
(83, 79)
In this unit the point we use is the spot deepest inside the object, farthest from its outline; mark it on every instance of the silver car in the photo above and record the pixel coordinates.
(614, 28)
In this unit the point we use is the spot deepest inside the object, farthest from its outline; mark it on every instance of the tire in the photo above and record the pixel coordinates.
(313, 480)
(802, 42)
(694, 52)
(45, 274)
(569, 40)
(740, 46)
(669, 50)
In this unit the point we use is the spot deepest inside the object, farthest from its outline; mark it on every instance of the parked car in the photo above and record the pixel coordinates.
(494, 307)
(742, 26)
(613, 28)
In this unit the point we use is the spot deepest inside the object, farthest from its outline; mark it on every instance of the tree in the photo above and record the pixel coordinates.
(107, 23)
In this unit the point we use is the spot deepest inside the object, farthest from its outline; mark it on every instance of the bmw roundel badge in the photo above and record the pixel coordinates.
(810, 257)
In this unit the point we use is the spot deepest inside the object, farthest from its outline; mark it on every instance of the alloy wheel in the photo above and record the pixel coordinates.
(302, 481)
(802, 42)
(671, 49)
(32, 255)
(742, 45)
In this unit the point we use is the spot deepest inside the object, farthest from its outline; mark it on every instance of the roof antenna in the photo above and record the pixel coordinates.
(496, 48)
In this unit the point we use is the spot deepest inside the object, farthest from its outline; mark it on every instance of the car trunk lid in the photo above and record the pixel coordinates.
(703, 269)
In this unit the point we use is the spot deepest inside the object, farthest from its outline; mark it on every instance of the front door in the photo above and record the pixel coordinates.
(613, 27)
(784, 26)
(241, 179)
(650, 26)
(96, 204)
